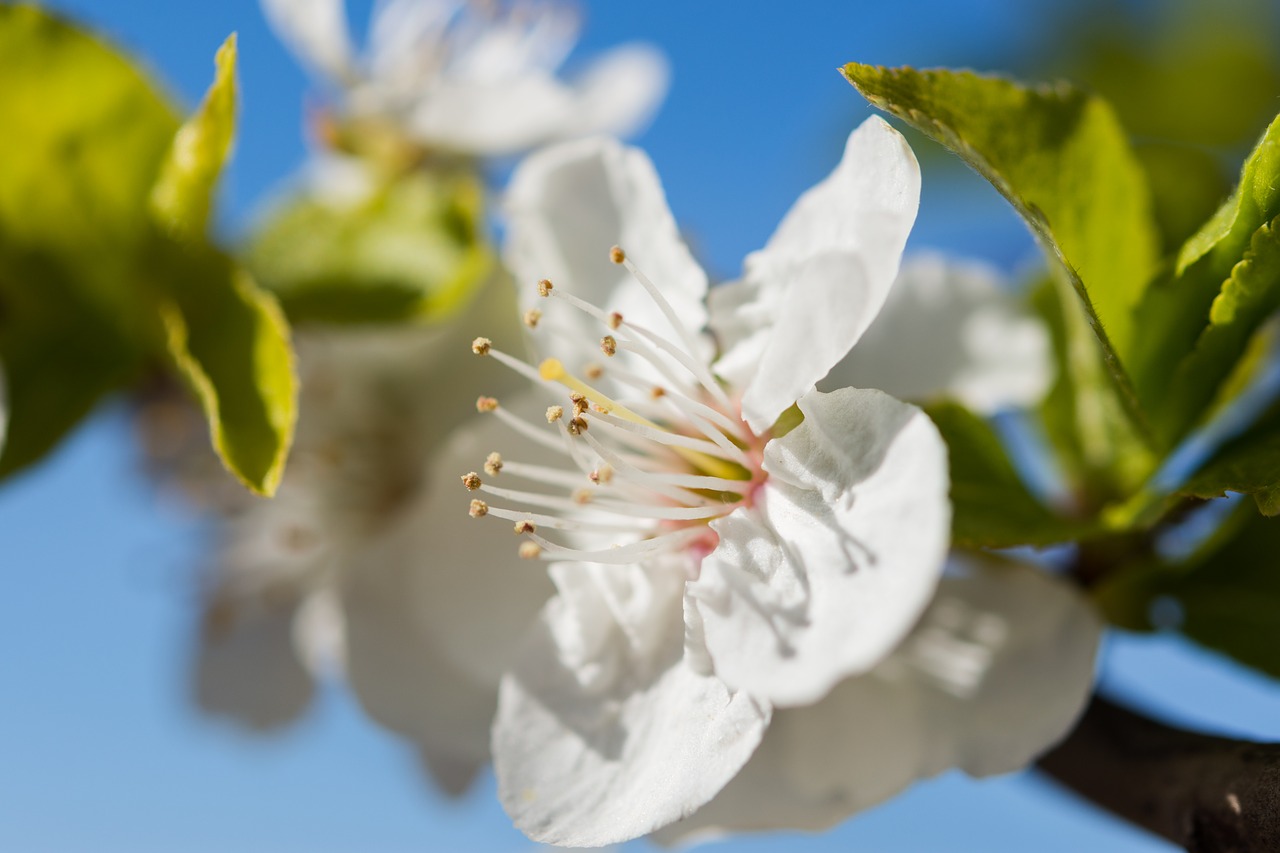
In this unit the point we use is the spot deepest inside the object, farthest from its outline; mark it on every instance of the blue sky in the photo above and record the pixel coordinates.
(100, 751)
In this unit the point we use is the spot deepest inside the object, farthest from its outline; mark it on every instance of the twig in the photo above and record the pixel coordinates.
(1208, 794)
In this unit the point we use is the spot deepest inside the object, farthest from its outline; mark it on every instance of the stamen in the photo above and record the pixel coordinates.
(478, 509)
(531, 318)
(484, 405)
(471, 481)
(544, 287)
(655, 481)
(529, 431)
(529, 550)
(701, 446)
(690, 345)
(615, 320)
(493, 464)
(543, 474)
(554, 413)
(525, 526)
(510, 361)
(626, 510)
(554, 522)
(593, 371)
(481, 346)
(624, 553)
(609, 345)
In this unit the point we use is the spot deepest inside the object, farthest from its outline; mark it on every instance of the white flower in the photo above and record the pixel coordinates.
(951, 329)
(473, 77)
(997, 670)
(711, 564)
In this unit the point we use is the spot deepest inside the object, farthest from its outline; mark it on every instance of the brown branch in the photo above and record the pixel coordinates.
(1208, 794)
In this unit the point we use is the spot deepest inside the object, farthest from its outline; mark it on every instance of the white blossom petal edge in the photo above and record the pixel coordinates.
(712, 561)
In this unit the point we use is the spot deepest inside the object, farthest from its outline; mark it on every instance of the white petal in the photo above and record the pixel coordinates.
(444, 596)
(995, 673)
(491, 119)
(406, 40)
(319, 633)
(316, 31)
(603, 732)
(619, 92)
(567, 206)
(404, 683)
(819, 282)
(501, 45)
(951, 329)
(247, 666)
(828, 571)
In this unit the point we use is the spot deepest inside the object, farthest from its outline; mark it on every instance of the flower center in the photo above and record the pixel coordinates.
(628, 475)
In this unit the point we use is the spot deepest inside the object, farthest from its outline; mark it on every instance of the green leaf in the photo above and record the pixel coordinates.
(1208, 290)
(1254, 202)
(1062, 160)
(412, 248)
(993, 507)
(183, 195)
(231, 342)
(1249, 296)
(83, 136)
(1250, 465)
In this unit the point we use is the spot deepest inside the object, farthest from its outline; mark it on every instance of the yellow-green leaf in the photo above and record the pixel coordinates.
(230, 340)
(82, 134)
(183, 194)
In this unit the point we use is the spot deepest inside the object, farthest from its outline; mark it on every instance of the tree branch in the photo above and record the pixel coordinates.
(1208, 794)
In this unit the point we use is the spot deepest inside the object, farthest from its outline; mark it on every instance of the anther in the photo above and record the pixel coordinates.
(530, 550)
(554, 413)
(481, 346)
(615, 320)
(657, 392)
(486, 404)
(531, 318)
(493, 464)
(608, 346)
(583, 496)
(617, 255)
(471, 481)
(603, 475)
(525, 526)
(580, 403)
(577, 426)
(478, 509)
(544, 287)
(593, 371)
